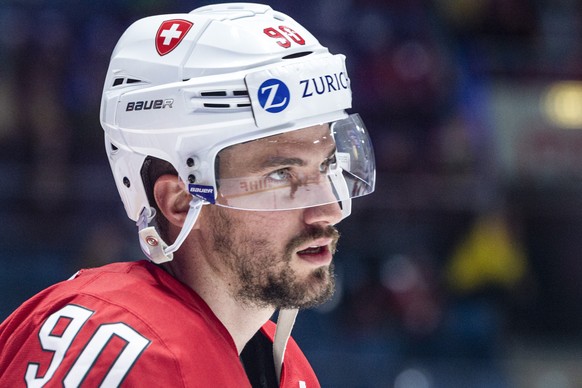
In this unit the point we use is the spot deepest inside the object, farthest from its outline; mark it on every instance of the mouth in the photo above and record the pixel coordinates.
(317, 252)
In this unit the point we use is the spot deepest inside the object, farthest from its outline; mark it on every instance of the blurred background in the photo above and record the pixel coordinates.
(463, 268)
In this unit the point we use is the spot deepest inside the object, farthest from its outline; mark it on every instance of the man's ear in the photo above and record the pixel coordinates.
(172, 198)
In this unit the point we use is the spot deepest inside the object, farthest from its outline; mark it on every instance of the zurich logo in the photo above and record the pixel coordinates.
(274, 95)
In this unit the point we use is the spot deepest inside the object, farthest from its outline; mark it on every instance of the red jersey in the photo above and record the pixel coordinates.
(127, 324)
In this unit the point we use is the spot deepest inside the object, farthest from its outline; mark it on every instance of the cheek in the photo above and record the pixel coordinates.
(271, 233)
(278, 227)
(275, 229)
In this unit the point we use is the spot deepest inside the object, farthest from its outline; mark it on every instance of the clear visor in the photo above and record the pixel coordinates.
(307, 167)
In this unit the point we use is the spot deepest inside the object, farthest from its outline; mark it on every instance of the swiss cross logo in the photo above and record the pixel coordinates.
(170, 34)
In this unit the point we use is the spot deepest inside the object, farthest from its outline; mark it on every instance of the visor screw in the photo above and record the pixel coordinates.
(126, 181)
(152, 241)
(191, 178)
(193, 162)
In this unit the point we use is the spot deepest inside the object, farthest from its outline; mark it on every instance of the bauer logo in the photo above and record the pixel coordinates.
(203, 192)
(149, 104)
(274, 95)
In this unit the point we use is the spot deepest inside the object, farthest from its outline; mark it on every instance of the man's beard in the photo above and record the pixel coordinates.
(265, 277)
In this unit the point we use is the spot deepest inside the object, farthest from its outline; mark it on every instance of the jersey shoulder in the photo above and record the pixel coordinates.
(119, 323)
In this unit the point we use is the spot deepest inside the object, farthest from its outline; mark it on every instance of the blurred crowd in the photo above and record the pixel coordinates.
(468, 250)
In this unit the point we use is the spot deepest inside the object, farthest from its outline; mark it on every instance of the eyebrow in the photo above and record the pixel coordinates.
(278, 161)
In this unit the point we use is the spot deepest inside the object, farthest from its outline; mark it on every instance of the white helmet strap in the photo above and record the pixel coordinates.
(285, 323)
(154, 247)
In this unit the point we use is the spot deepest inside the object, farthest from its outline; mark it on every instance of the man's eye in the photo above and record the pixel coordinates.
(282, 174)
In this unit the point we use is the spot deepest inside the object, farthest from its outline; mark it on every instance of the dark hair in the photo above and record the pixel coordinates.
(151, 170)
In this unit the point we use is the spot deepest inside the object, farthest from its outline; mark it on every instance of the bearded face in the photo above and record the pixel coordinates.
(291, 272)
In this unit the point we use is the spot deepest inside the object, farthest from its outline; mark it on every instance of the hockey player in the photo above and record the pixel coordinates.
(227, 134)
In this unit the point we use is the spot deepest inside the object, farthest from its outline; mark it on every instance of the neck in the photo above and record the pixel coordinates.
(241, 320)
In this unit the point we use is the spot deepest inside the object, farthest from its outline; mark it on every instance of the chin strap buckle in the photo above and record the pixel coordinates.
(153, 245)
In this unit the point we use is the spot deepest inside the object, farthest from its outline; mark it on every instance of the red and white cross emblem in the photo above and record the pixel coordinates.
(170, 34)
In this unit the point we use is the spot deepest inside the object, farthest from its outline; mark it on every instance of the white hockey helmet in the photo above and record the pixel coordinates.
(185, 87)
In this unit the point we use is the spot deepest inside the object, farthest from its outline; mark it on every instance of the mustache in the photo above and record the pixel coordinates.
(314, 233)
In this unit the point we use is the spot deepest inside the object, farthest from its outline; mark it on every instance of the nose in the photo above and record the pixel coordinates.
(328, 214)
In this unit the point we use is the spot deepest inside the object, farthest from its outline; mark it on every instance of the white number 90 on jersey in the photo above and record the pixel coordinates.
(57, 334)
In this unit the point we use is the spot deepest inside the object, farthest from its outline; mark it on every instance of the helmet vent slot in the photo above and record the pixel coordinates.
(214, 105)
(298, 55)
(218, 93)
(127, 81)
(229, 98)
